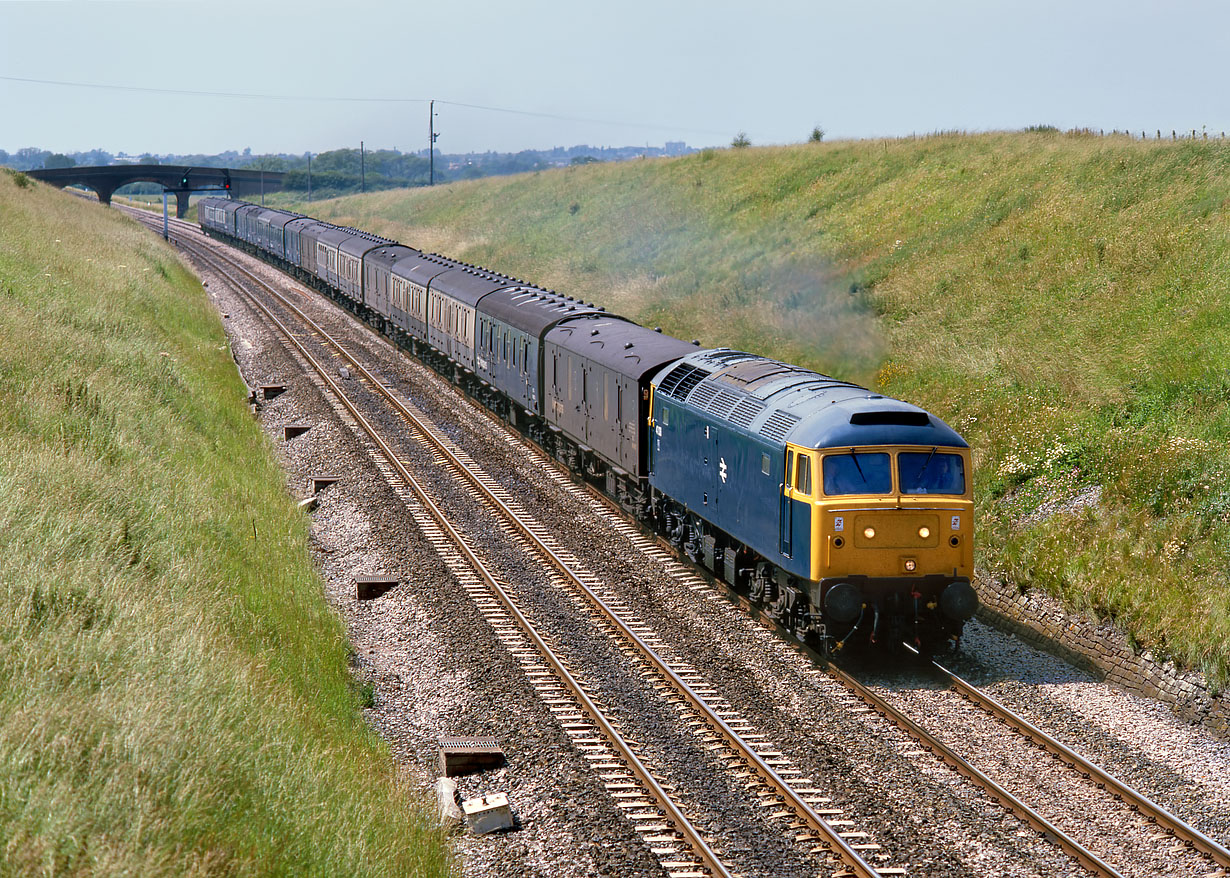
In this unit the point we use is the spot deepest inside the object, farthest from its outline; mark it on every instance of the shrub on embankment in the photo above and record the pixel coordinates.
(174, 692)
(1062, 300)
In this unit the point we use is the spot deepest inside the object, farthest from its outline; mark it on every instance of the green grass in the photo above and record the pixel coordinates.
(1060, 299)
(174, 692)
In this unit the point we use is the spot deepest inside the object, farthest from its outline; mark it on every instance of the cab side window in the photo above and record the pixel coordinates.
(802, 476)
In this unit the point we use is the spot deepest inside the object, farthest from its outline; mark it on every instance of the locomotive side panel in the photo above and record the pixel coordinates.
(732, 479)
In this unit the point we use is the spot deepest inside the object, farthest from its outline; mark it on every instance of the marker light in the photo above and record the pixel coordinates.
(869, 533)
(924, 532)
(910, 565)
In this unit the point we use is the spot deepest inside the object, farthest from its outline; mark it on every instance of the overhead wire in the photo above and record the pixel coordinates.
(347, 99)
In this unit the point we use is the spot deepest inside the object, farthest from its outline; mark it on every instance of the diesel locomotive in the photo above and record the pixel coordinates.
(846, 515)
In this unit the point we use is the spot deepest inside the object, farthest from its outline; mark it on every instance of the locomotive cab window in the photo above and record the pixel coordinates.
(802, 475)
(930, 472)
(862, 473)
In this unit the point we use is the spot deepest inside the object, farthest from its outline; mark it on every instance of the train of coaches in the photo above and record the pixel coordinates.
(846, 514)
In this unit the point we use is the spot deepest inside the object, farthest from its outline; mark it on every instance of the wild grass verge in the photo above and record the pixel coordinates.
(174, 692)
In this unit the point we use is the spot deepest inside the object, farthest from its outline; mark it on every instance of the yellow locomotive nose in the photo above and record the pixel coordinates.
(896, 529)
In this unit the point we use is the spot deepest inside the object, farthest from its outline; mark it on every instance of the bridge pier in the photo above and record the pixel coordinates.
(182, 196)
(104, 194)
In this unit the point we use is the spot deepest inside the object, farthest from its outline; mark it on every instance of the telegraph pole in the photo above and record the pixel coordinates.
(309, 176)
(431, 146)
(362, 169)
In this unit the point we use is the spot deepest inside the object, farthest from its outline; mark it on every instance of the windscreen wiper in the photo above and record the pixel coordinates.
(926, 463)
(854, 457)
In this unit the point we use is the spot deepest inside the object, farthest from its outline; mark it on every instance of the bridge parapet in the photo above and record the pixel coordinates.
(181, 180)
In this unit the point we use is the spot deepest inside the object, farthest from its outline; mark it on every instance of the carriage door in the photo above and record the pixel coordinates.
(786, 520)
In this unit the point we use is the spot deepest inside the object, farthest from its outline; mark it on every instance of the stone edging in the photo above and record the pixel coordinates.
(1098, 648)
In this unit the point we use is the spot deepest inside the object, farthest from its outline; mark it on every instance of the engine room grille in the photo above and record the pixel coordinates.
(778, 425)
(680, 381)
(746, 411)
(713, 400)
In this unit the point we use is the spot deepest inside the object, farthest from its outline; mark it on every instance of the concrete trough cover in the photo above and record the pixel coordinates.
(290, 431)
(464, 755)
(490, 813)
(316, 484)
(368, 587)
(269, 391)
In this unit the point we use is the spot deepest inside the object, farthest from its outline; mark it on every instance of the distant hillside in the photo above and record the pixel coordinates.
(1061, 299)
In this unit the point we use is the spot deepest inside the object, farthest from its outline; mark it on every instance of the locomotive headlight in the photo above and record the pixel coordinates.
(869, 533)
(924, 532)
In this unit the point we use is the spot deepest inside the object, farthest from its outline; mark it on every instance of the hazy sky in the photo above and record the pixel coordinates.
(613, 73)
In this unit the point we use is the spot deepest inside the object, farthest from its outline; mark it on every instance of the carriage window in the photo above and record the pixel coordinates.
(930, 473)
(867, 473)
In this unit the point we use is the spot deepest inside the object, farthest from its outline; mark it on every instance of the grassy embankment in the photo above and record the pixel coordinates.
(1062, 300)
(174, 693)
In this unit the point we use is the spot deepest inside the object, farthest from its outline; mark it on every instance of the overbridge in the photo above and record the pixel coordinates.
(180, 180)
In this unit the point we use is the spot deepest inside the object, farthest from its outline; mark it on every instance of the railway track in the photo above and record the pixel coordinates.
(724, 727)
(776, 786)
(1036, 738)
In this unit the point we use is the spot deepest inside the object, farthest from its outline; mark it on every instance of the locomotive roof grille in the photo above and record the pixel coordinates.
(778, 425)
(682, 379)
(713, 400)
(746, 411)
(890, 418)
